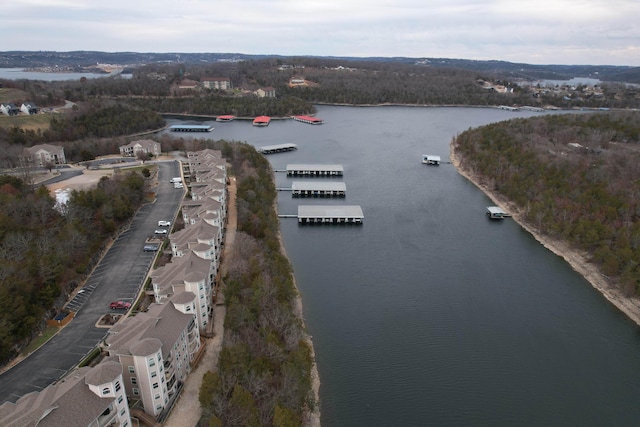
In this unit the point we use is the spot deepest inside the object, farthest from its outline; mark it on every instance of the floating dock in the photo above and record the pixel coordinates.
(225, 118)
(309, 120)
(495, 212)
(314, 170)
(430, 160)
(318, 214)
(318, 189)
(279, 148)
(191, 128)
(262, 121)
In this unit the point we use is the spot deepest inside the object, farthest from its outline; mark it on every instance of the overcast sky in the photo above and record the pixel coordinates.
(595, 32)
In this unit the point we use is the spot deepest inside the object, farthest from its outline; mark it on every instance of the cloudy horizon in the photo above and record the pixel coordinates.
(569, 32)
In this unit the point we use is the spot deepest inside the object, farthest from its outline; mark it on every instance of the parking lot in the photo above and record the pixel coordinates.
(119, 276)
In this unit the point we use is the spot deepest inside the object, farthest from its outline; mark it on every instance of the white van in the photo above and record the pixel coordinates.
(175, 180)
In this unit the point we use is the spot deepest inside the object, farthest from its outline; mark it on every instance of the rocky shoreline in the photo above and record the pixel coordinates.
(579, 261)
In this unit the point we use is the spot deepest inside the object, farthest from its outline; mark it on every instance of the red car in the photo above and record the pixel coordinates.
(117, 305)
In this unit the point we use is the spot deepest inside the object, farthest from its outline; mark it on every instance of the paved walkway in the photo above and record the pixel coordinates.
(187, 411)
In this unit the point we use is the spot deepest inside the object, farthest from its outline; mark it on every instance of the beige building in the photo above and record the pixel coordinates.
(41, 155)
(88, 397)
(156, 349)
(147, 146)
(222, 83)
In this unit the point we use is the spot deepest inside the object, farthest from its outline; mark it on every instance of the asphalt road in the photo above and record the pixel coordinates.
(118, 276)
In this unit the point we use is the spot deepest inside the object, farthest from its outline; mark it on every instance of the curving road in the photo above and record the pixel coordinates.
(118, 276)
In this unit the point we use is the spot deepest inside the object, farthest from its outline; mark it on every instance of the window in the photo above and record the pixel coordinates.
(132, 370)
(152, 362)
(134, 380)
(118, 386)
(154, 374)
(155, 385)
(157, 396)
(122, 412)
(188, 308)
(106, 390)
(120, 399)
(136, 392)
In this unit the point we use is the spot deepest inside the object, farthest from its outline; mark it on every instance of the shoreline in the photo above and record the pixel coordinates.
(579, 261)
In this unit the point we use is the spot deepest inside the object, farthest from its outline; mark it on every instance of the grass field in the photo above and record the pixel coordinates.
(12, 95)
(33, 122)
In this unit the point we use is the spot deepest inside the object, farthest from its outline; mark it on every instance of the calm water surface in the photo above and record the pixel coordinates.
(430, 314)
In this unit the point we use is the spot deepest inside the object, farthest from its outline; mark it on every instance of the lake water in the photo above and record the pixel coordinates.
(20, 73)
(429, 314)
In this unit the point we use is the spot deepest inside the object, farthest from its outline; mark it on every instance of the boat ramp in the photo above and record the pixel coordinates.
(318, 189)
(279, 148)
(314, 170)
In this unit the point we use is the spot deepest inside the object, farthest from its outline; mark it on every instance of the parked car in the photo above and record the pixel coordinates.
(120, 305)
(161, 231)
(164, 223)
(151, 247)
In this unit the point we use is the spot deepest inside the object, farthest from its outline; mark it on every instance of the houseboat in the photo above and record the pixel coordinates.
(262, 121)
(225, 118)
(308, 119)
(430, 160)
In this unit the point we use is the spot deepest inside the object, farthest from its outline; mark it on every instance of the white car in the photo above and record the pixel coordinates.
(164, 223)
(161, 231)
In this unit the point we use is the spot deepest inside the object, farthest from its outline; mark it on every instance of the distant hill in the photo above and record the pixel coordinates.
(609, 73)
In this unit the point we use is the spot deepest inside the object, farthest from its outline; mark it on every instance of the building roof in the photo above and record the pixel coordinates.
(318, 185)
(314, 167)
(325, 211)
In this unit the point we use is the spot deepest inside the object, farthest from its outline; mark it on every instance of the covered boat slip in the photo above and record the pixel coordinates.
(495, 212)
(279, 148)
(191, 128)
(318, 189)
(430, 160)
(314, 170)
(319, 214)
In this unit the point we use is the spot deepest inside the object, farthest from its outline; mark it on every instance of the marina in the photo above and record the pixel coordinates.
(316, 214)
(318, 189)
(278, 148)
(314, 170)
(225, 118)
(262, 121)
(191, 128)
(430, 160)
(309, 120)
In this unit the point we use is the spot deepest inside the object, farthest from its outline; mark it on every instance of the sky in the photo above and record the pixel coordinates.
(571, 32)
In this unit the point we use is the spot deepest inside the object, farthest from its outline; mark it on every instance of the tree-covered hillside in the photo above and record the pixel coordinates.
(576, 177)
